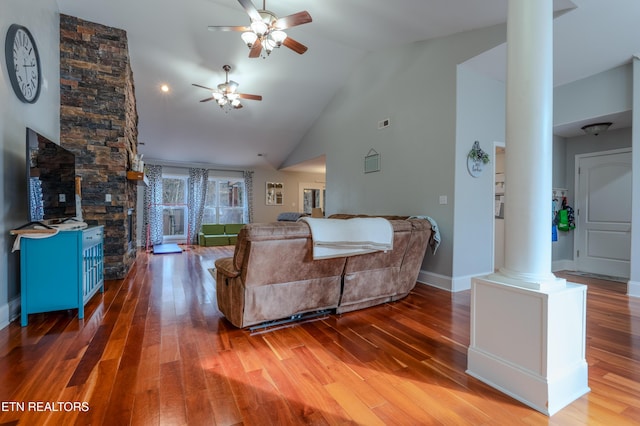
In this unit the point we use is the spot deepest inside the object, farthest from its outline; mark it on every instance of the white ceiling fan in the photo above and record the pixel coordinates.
(266, 31)
(226, 95)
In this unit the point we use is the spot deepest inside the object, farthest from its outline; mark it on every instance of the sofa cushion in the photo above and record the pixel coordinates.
(212, 229)
(215, 240)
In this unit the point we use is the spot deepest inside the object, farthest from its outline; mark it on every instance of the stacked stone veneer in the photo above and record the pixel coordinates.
(98, 122)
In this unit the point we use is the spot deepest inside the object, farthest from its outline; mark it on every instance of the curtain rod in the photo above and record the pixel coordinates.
(183, 165)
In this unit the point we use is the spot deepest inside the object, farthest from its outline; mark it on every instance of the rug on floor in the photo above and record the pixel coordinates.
(166, 248)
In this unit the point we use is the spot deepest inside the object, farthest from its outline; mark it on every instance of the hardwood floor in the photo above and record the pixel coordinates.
(154, 350)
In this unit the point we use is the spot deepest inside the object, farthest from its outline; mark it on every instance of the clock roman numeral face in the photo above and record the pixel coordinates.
(25, 65)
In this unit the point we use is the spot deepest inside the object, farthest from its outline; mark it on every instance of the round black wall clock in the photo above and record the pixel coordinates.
(23, 63)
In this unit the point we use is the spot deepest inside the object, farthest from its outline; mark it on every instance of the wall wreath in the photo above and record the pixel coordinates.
(476, 159)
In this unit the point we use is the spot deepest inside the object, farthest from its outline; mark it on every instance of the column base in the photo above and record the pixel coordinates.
(530, 281)
(529, 344)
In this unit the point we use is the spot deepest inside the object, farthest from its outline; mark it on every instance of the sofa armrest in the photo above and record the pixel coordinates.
(225, 267)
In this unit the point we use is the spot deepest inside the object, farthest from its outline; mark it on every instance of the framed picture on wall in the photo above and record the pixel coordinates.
(372, 161)
(275, 193)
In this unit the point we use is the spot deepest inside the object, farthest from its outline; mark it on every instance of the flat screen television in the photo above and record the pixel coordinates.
(51, 172)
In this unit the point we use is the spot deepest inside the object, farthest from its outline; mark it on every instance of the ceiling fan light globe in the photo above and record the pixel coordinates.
(249, 37)
(278, 37)
(236, 103)
(232, 96)
(268, 44)
(216, 95)
(259, 28)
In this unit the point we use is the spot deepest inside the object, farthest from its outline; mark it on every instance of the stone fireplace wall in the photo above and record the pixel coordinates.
(99, 123)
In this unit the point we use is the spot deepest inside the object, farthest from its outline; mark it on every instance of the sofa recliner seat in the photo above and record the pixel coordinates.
(272, 274)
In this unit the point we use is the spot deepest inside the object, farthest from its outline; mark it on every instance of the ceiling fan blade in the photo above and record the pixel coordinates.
(250, 9)
(294, 45)
(251, 97)
(293, 20)
(207, 99)
(223, 28)
(203, 87)
(255, 50)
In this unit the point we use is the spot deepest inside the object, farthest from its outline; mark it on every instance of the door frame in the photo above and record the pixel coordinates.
(496, 145)
(310, 185)
(576, 187)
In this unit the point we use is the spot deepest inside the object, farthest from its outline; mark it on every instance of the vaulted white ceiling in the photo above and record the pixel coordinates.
(169, 44)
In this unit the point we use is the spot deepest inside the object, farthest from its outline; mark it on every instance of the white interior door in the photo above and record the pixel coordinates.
(603, 213)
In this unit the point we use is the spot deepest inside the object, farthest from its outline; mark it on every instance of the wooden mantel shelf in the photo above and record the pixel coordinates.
(140, 177)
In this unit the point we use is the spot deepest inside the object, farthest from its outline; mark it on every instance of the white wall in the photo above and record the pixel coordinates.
(480, 117)
(415, 86)
(42, 20)
(605, 93)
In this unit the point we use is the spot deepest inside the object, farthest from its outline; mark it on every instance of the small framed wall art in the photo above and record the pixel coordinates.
(275, 193)
(372, 161)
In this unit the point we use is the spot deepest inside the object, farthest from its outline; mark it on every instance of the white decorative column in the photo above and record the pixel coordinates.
(528, 326)
(633, 286)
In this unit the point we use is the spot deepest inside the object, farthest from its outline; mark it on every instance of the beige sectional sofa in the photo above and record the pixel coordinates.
(272, 274)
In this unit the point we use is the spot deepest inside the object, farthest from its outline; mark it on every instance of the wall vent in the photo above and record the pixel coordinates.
(384, 123)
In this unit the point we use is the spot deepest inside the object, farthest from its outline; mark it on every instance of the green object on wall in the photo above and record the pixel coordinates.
(563, 221)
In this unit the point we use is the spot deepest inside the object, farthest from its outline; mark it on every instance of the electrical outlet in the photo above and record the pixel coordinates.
(62, 198)
(443, 199)
(107, 198)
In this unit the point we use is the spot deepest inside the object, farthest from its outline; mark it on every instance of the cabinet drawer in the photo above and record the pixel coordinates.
(92, 236)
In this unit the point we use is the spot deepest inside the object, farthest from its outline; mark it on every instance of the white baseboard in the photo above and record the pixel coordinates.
(464, 283)
(633, 288)
(529, 388)
(435, 280)
(444, 282)
(563, 265)
(9, 312)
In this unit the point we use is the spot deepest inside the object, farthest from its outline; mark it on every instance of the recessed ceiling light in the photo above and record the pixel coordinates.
(164, 88)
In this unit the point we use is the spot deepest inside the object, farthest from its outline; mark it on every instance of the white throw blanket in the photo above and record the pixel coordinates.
(349, 237)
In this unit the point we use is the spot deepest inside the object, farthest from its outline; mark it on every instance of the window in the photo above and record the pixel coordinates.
(174, 208)
(226, 201)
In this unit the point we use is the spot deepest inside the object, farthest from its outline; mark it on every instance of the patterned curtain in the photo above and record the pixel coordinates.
(248, 185)
(197, 189)
(152, 216)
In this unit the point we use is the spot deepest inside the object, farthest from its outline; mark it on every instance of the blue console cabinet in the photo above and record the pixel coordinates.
(61, 272)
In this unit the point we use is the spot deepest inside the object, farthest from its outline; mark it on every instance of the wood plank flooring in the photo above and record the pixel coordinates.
(154, 350)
